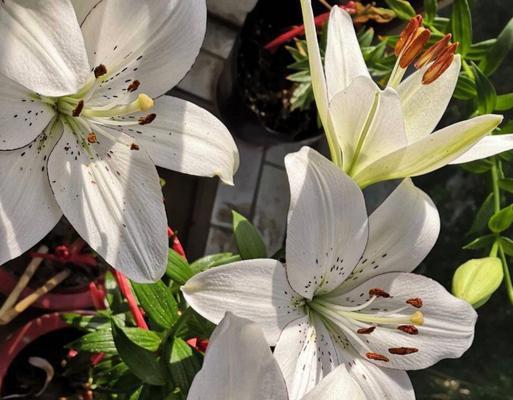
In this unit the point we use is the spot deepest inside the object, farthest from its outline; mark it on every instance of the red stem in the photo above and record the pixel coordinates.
(126, 291)
(176, 246)
(299, 30)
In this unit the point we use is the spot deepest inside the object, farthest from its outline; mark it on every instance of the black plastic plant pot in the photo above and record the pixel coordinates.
(253, 92)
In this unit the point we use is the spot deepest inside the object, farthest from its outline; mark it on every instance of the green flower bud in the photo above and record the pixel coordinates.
(476, 280)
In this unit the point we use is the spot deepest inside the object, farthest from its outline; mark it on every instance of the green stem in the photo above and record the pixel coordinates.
(507, 275)
(495, 185)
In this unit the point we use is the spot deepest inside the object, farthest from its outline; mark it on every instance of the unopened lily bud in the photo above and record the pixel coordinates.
(476, 280)
(408, 33)
(433, 52)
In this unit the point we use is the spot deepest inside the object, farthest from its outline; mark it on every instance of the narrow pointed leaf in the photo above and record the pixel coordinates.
(141, 362)
(158, 302)
(486, 94)
(504, 102)
(184, 364)
(178, 268)
(482, 242)
(482, 216)
(402, 8)
(499, 50)
(430, 7)
(506, 184)
(461, 21)
(249, 242)
(501, 220)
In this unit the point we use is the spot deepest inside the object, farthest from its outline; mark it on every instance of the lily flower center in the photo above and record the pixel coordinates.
(362, 319)
(84, 107)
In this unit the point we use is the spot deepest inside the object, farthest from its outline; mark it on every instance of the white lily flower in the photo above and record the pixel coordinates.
(346, 295)
(77, 82)
(239, 365)
(375, 134)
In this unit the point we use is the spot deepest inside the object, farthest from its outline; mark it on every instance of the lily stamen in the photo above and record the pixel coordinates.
(433, 52)
(143, 103)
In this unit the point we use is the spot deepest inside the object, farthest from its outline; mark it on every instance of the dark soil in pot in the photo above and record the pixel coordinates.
(253, 88)
(23, 378)
(81, 274)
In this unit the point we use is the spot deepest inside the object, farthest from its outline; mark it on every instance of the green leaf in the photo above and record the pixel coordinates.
(478, 166)
(158, 302)
(504, 102)
(430, 7)
(486, 94)
(184, 364)
(507, 245)
(499, 50)
(461, 25)
(442, 24)
(482, 216)
(249, 242)
(101, 341)
(141, 362)
(465, 88)
(365, 37)
(479, 50)
(482, 242)
(178, 268)
(402, 9)
(506, 184)
(213, 260)
(501, 220)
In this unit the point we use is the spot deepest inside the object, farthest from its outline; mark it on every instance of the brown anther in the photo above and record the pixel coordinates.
(402, 351)
(416, 302)
(407, 33)
(148, 119)
(378, 293)
(434, 51)
(100, 70)
(78, 109)
(409, 329)
(414, 47)
(133, 86)
(366, 331)
(134, 146)
(443, 62)
(91, 137)
(376, 356)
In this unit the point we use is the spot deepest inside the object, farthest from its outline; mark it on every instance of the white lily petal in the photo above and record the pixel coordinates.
(314, 58)
(305, 353)
(416, 225)
(431, 152)
(112, 197)
(188, 139)
(253, 289)
(28, 210)
(327, 223)
(367, 122)
(337, 385)
(486, 147)
(344, 60)
(447, 331)
(238, 365)
(424, 105)
(380, 383)
(83, 8)
(154, 42)
(22, 117)
(42, 47)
